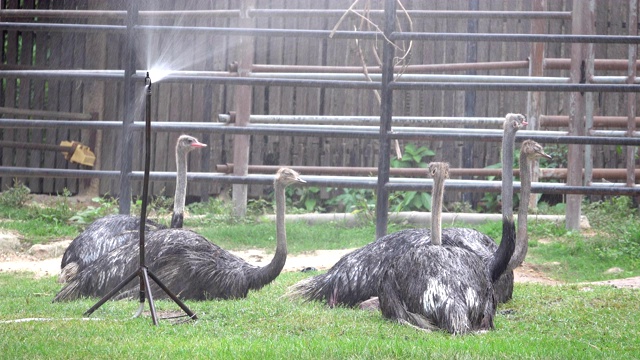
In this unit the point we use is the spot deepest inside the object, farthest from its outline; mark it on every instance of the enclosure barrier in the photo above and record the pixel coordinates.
(385, 82)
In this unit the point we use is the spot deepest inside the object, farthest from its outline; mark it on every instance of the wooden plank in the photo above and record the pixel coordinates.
(78, 42)
(10, 96)
(24, 93)
(111, 139)
(50, 186)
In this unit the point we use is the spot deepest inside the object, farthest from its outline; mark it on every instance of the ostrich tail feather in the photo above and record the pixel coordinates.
(70, 292)
(308, 289)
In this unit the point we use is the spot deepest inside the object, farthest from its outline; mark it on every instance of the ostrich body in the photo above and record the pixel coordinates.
(112, 231)
(188, 264)
(354, 278)
(450, 288)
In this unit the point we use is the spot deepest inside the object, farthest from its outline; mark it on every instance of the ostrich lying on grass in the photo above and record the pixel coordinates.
(354, 278)
(112, 231)
(447, 287)
(443, 287)
(188, 264)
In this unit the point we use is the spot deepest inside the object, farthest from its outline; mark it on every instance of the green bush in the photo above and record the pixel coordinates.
(15, 196)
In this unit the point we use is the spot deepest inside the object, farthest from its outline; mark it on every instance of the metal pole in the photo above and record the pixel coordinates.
(386, 112)
(126, 155)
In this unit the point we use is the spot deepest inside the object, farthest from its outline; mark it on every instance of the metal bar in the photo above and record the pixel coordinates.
(386, 112)
(545, 173)
(394, 184)
(326, 34)
(516, 87)
(420, 68)
(598, 121)
(441, 134)
(546, 38)
(484, 122)
(146, 286)
(341, 80)
(599, 64)
(116, 14)
(419, 77)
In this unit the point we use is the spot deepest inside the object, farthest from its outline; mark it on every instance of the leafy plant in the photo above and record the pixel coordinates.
(307, 198)
(15, 196)
(91, 213)
(412, 200)
(413, 157)
(356, 201)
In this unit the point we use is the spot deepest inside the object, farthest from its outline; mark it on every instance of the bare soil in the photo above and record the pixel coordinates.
(320, 260)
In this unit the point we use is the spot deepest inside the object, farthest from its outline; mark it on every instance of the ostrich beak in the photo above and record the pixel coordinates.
(544, 154)
(300, 180)
(198, 144)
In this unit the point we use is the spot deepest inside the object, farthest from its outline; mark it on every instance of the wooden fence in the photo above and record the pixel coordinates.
(103, 100)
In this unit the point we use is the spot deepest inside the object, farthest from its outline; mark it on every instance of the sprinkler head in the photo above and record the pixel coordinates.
(147, 80)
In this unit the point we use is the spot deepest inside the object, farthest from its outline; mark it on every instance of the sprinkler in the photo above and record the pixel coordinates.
(143, 272)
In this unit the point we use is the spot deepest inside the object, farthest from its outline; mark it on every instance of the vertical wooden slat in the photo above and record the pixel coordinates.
(10, 96)
(24, 91)
(583, 21)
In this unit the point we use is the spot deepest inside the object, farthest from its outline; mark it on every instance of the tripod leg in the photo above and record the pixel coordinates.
(111, 293)
(173, 296)
(152, 306)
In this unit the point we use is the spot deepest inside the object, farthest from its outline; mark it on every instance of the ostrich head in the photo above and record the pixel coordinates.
(286, 176)
(436, 168)
(533, 150)
(515, 121)
(187, 143)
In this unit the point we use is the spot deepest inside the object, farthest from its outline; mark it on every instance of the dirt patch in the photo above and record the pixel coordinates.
(22, 261)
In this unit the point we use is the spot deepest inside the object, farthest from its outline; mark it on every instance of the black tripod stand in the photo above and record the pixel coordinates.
(143, 272)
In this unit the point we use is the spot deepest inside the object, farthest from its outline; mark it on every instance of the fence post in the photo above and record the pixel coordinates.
(535, 98)
(581, 24)
(243, 100)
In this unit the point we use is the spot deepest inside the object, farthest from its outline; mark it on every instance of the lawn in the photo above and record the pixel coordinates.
(541, 322)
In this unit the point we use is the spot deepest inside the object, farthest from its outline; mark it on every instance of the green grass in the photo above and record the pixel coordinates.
(541, 322)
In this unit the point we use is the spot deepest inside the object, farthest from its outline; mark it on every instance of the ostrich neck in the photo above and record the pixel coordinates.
(522, 241)
(508, 145)
(436, 210)
(181, 189)
(269, 272)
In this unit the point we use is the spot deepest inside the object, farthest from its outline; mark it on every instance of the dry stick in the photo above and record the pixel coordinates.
(335, 28)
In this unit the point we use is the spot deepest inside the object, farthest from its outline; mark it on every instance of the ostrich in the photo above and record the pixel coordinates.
(448, 287)
(112, 231)
(353, 279)
(188, 264)
(530, 152)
